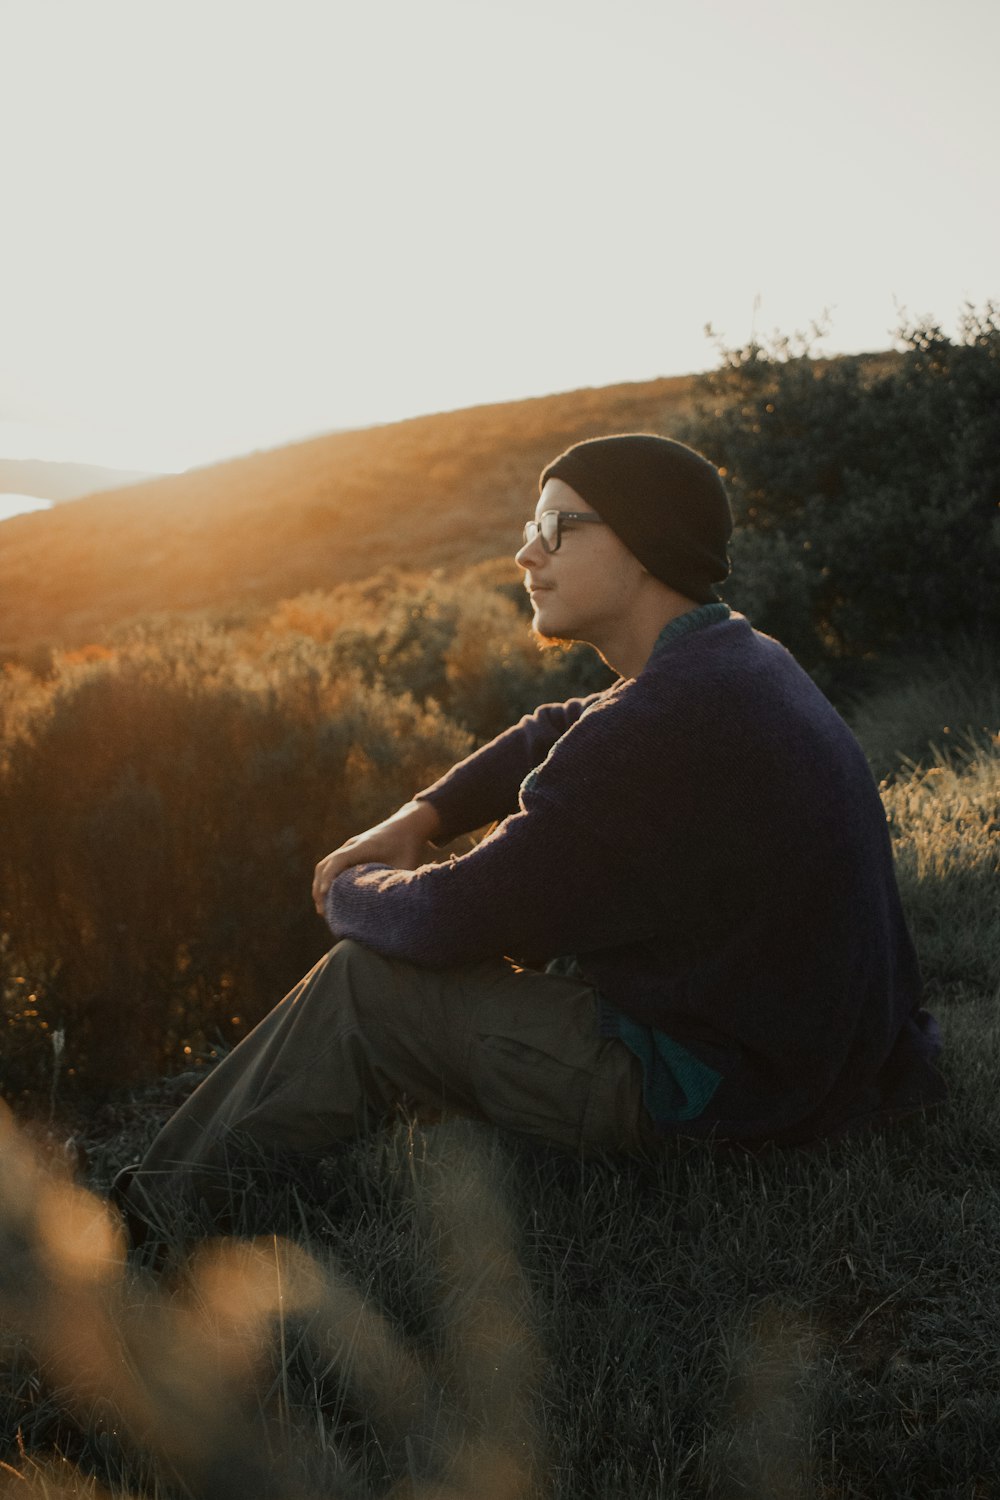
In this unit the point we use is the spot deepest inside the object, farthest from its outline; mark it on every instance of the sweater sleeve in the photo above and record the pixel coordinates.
(484, 787)
(548, 880)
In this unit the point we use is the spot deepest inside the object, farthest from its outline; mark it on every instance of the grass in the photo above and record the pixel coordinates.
(450, 1312)
(930, 710)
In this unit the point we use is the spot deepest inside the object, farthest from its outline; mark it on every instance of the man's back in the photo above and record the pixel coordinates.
(707, 843)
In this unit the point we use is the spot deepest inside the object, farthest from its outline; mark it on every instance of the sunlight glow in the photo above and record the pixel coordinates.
(363, 213)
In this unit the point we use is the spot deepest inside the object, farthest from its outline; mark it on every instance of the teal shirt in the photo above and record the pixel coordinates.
(676, 1084)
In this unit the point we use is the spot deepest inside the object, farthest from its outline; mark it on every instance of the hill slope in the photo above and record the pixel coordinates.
(449, 489)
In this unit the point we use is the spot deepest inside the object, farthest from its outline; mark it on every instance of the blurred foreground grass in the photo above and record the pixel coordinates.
(451, 1313)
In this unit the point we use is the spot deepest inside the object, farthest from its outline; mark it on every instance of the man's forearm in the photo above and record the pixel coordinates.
(484, 787)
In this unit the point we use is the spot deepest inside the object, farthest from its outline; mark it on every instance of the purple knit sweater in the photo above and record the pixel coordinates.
(708, 841)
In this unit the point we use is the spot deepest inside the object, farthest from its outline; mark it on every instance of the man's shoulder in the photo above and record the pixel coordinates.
(730, 666)
(728, 657)
(727, 644)
(724, 691)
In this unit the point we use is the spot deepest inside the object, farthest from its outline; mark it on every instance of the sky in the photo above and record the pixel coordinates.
(228, 225)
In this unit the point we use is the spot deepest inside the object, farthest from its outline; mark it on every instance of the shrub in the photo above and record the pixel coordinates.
(461, 643)
(865, 489)
(163, 811)
(165, 801)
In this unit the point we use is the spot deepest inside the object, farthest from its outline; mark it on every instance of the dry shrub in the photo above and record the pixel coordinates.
(462, 642)
(163, 811)
(165, 802)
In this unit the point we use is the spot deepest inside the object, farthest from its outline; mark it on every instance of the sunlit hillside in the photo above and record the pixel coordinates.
(438, 490)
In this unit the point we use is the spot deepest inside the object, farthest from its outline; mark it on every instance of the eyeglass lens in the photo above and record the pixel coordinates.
(549, 528)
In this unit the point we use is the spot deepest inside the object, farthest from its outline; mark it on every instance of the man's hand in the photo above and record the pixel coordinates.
(400, 841)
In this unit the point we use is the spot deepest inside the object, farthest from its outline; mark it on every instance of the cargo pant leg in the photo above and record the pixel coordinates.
(362, 1035)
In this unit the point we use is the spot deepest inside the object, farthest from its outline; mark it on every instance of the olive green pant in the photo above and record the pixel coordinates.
(362, 1036)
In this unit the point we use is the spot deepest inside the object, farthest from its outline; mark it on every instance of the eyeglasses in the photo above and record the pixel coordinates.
(550, 524)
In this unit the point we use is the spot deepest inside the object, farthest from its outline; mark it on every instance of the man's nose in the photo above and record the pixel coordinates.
(529, 554)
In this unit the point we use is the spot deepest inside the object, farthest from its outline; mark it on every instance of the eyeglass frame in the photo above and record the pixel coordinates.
(535, 527)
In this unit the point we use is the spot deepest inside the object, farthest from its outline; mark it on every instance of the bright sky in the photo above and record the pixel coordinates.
(226, 225)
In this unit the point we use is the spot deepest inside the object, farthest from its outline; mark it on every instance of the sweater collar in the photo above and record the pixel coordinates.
(694, 619)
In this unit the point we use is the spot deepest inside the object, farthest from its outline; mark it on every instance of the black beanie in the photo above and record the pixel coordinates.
(665, 501)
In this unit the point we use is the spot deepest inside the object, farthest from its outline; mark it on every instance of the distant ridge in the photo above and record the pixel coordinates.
(62, 481)
(446, 490)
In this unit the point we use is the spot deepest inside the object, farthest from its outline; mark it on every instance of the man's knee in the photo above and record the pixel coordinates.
(367, 984)
(349, 951)
(358, 963)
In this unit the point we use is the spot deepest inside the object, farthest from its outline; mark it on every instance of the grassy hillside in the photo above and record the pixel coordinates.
(431, 491)
(456, 1314)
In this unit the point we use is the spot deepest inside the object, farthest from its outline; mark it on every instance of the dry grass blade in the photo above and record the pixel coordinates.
(179, 1371)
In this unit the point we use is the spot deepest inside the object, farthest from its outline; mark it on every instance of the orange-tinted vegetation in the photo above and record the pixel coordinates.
(164, 802)
(448, 490)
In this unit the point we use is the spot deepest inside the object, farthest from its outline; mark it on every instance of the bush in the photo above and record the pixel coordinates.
(165, 802)
(865, 489)
(462, 643)
(163, 811)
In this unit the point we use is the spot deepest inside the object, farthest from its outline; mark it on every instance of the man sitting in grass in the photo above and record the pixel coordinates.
(685, 921)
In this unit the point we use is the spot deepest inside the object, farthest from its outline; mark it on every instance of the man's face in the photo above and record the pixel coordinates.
(583, 591)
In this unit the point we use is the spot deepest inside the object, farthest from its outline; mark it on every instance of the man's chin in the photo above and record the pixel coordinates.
(543, 641)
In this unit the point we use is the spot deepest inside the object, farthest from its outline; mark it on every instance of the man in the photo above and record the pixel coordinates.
(685, 921)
